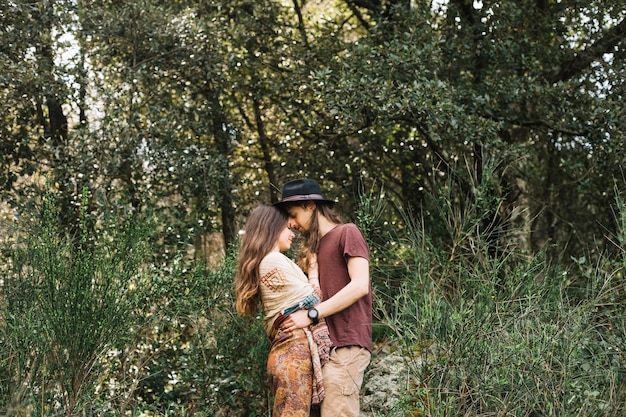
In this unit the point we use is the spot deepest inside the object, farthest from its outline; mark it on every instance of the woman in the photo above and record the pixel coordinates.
(265, 276)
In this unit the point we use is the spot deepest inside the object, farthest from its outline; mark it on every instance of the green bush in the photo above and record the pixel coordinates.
(501, 333)
(221, 371)
(91, 324)
(193, 355)
(66, 300)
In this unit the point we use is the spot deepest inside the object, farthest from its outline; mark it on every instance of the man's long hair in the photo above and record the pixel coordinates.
(312, 236)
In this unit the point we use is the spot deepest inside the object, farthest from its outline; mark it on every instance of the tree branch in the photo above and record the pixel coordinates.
(371, 5)
(358, 15)
(301, 25)
(576, 63)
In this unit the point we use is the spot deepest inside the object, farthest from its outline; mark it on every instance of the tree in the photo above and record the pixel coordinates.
(198, 110)
(535, 84)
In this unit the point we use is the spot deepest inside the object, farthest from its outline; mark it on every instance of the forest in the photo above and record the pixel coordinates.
(479, 145)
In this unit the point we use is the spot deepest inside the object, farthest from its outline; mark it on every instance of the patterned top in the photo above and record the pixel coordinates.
(283, 284)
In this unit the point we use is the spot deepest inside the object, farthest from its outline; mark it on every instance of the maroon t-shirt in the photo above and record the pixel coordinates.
(352, 326)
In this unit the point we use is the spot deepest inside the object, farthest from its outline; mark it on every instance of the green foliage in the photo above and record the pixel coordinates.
(225, 370)
(495, 332)
(193, 353)
(91, 323)
(495, 128)
(66, 301)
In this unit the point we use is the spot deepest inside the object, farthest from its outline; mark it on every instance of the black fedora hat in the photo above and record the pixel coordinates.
(302, 189)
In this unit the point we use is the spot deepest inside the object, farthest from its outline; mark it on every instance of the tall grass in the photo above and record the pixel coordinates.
(491, 331)
(91, 325)
(66, 300)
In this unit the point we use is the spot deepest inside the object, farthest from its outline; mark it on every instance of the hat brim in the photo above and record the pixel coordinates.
(299, 200)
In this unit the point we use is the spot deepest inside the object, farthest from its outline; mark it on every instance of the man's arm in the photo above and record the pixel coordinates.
(359, 286)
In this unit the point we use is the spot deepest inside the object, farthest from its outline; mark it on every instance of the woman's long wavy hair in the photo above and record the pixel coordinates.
(261, 232)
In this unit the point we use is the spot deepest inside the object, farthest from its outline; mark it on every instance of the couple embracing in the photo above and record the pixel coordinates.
(318, 312)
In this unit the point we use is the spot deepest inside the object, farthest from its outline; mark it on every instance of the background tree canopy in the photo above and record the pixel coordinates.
(493, 128)
(198, 110)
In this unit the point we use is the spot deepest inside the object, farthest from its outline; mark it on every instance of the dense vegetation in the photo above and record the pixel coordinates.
(480, 146)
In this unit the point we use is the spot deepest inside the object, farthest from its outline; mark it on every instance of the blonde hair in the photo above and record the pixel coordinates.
(262, 230)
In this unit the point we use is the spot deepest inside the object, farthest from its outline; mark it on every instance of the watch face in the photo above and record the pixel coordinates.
(313, 313)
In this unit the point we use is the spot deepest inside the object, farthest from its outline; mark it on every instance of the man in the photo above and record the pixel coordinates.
(343, 264)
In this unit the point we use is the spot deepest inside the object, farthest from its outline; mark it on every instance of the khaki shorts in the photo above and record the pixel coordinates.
(343, 377)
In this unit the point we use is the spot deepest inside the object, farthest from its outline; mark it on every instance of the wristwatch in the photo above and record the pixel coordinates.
(314, 315)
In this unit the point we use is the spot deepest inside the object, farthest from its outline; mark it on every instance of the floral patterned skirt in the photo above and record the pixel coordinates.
(290, 373)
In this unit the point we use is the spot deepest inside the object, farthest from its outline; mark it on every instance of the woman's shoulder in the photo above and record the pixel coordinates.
(274, 259)
(275, 256)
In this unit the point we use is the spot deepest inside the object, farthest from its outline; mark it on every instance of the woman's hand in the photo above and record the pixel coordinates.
(296, 320)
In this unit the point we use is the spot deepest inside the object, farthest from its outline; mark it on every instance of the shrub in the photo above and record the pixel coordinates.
(67, 299)
(501, 333)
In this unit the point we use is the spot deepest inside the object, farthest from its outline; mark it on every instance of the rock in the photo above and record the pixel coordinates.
(385, 383)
